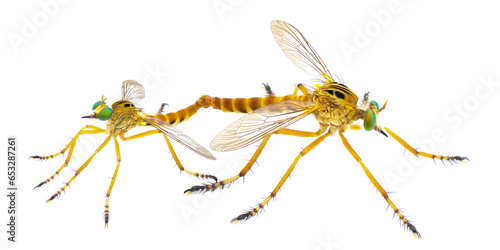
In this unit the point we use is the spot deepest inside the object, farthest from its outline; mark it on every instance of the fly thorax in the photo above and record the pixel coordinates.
(124, 117)
(339, 102)
(334, 115)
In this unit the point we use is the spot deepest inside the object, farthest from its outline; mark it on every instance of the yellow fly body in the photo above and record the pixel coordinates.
(333, 104)
(121, 117)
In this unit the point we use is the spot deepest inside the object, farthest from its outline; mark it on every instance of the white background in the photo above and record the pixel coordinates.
(426, 58)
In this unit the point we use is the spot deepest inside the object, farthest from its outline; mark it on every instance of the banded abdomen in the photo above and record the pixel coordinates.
(247, 105)
(177, 117)
(236, 105)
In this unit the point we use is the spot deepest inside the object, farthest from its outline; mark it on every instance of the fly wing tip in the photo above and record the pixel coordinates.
(205, 153)
(218, 147)
(214, 146)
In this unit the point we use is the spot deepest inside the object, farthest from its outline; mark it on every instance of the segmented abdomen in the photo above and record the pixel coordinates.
(247, 105)
(175, 118)
(236, 105)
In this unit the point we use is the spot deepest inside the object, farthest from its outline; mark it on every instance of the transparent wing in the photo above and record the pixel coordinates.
(298, 49)
(132, 91)
(174, 133)
(261, 123)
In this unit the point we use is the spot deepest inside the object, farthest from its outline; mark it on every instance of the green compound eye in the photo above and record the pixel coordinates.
(375, 103)
(105, 114)
(97, 104)
(370, 120)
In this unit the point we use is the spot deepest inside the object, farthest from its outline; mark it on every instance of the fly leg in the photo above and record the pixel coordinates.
(375, 183)
(223, 183)
(418, 153)
(248, 166)
(256, 209)
(174, 155)
(181, 168)
(71, 146)
(302, 89)
(113, 179)
(80, 169)
(94, 130)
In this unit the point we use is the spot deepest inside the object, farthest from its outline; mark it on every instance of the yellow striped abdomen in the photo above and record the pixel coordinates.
(247, 105)
(175, 118)
(236, 105)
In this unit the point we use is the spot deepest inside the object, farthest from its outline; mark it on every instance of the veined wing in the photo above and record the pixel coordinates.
(174, 133)
(132, 91)
(261, 123)
(298, 49)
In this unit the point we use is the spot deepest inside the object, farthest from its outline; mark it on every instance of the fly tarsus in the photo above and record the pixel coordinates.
(267, 88)
(413, 229)
(241, 217)
(204, 188)
(206, 176)
(407, 224)
(160, 110)
(450, 159)
(198, 175)
(209, 176)
(37, 157)
(247, 215)
(106, 216)
(39, 185)
(194, 189)
(460, 158)
(53, 197)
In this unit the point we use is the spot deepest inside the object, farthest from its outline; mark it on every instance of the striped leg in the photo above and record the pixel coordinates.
(412, 228)
(118, 160)
(248, 166)
(80, 169)
(417, 153)
(252, 212)
(174, 155)
(71, 146)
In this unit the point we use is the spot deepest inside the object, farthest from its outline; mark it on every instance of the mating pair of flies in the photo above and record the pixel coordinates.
(333, 104)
